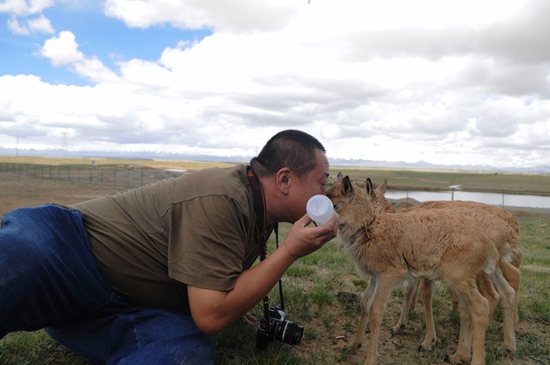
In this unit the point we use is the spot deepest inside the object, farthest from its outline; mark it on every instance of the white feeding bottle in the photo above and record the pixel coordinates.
(320, 209)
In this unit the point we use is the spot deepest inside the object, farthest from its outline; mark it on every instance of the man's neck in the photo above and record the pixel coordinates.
(272, 199)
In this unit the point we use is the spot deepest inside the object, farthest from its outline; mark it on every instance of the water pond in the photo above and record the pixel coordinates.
(486, 198)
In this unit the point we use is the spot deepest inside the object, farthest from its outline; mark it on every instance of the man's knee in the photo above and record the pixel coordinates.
(150, 336)
(189, 350)
(201, 350)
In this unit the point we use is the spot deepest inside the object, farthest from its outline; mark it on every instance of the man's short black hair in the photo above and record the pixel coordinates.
(289, 148)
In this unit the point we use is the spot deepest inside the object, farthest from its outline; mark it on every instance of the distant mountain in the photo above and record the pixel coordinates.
(126, 154)
(423, 165)
(399, 165)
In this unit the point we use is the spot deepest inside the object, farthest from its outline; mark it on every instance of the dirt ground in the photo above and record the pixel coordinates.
(18, 191)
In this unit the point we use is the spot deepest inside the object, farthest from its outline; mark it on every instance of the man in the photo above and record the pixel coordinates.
(147, 276)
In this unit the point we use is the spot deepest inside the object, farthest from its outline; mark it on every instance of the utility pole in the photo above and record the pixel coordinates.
(64, 144)
(17, 147)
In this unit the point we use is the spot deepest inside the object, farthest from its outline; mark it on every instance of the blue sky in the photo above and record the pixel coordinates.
(107, 38)
(455, 83)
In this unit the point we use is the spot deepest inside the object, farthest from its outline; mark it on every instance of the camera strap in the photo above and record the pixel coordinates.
(259, 208)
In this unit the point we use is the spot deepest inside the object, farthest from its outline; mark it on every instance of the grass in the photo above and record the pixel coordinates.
(311, 299)
(33, 348)
(311, 296)
(441, 180)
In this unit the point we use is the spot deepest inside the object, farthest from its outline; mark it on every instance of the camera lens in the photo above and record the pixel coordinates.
(290, 333)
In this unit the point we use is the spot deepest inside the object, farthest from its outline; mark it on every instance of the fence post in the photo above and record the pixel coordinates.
(114, 179)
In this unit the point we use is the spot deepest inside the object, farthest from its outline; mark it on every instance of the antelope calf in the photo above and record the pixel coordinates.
(429, 244)
(491, 219)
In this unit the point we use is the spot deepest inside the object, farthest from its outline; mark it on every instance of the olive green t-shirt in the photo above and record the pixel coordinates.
(198, 229)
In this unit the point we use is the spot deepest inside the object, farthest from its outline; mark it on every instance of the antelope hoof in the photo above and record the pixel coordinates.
(353, 347)
(455, 359)
(507, 352)
(426, 345)
(397, 330)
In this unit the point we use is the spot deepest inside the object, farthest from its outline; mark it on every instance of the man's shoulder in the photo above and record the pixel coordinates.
(231, 182)
(237, 171)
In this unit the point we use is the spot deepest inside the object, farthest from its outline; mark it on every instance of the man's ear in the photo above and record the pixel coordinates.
(283, 180)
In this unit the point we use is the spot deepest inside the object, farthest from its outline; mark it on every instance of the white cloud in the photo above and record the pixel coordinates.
(41, 24)
(24, 7)
(233, 15)
(146, 73)
(17, 28)
(36, 25)
(63, 51)
(323, 17)
(117, 117)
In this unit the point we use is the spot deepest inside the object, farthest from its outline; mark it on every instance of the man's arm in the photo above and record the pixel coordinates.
(213, 310)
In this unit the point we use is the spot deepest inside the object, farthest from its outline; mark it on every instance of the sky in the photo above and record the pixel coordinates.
(445, 82)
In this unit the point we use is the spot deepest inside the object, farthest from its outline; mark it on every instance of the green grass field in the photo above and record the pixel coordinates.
(442, 180)
(312, 286)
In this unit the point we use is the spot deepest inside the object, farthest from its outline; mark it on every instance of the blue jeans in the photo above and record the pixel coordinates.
(49, 279)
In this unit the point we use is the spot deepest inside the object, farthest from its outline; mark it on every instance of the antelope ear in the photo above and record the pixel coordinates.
(382, 187)
(339, 177)
(368, 185)
(347, 188)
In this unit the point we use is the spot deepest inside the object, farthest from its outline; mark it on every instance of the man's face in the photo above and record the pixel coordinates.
(313, 184)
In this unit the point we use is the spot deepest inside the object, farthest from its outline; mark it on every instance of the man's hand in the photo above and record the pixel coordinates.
(302, 240)
(248, 318)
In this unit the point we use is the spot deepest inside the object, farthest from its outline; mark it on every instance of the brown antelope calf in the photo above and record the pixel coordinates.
(436, 245)
(382, 205)
(510, 270)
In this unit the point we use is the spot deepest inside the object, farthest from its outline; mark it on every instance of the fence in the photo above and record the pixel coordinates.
(126, 177)
(123, 177)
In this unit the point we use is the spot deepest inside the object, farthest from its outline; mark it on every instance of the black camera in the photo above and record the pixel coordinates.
(279, 329)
